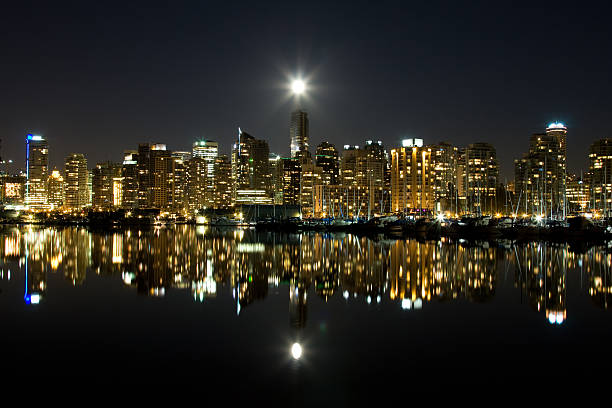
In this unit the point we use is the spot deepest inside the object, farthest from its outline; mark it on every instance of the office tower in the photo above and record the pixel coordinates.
(292, 170)
(76, 181)
(207, 149)
(55, 190)
(250, 170)
(600, 170)
(37, 163)
(411, 178)
(106, 194)
(177, 185)
(160, 167)
(540, 175)
(480, 173)
(327, 159)
(223, 182)
(129, 180)
(276, 177)
(144, 184)
(444, 168)
(200, 174)
(298, 134)
(160, 176)
(197, 184)
(184, 156)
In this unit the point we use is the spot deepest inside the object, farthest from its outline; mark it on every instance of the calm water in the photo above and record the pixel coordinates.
(223, 308)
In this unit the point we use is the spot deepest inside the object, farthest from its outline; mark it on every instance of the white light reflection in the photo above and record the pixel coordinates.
(296, 351)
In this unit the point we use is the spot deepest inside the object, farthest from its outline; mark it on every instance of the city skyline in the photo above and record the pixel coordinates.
(361, 182)
(443, 72)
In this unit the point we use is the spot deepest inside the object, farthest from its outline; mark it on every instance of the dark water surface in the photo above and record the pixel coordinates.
(173, 308)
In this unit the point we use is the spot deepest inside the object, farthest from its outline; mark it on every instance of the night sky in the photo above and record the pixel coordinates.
(100, 77)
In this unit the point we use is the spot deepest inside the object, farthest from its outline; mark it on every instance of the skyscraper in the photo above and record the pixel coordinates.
(326, 157)
(129, 180)
(37, 163)
(205, 153)
(600, 169)
(103, 185)
(250, 170)
(411, 178)
(76, 180)
(540, 175)
(223, 182)
(292, 171)
(444, 158)
(55, 189)
(298, 134)
(481, 173)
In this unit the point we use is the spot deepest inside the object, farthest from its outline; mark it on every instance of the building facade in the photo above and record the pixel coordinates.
(76, 182)
(37, 172)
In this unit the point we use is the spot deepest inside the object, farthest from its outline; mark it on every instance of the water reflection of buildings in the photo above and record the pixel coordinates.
(203, 262)
(40, 251)
(421, 272)
(597, 266)
(541, 276)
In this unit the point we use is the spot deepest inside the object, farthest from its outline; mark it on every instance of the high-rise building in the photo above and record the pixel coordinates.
(292, 170)
(55, 190)
(540, 175)
(160, 167)
(76, 182)
(600, 170)
(197, 184)
(12, 189)
(411, 178)
(37, 164)
(310, 177)
(129, 180)
(326, 157)
(104, 188)
(481, 174)
(144, 183)
(250, 170)
(372, 178)
(161, 178)
(223, 182)
(577, 193)
(178, 184)
(276, 177)
(298, 134)
(366, 170)
(444, 167)
(201, 173)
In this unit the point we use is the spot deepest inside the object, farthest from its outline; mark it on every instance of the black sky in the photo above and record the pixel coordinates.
(100, 77)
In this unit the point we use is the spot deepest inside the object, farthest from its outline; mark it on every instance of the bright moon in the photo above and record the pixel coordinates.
(298, 86)
(296, 351)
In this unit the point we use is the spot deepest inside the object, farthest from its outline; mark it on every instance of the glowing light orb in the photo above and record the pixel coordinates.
(298, 86)
(296, 351)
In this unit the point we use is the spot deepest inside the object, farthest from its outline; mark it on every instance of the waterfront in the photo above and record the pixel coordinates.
(218, 306)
